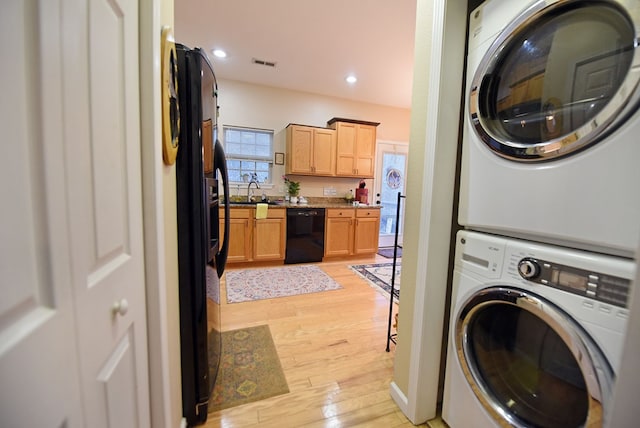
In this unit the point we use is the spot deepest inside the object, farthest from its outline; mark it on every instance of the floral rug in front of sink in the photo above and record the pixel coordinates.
(245, 285)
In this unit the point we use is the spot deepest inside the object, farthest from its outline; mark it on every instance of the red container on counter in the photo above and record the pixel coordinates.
(362, 196)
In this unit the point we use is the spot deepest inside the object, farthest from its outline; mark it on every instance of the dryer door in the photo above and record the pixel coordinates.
(559, 78)
(529, 363)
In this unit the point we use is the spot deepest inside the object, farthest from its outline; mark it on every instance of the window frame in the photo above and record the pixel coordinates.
(245, 159)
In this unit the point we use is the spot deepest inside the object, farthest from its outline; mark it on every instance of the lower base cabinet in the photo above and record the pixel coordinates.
(252, 239)
(351, 231)
(367, 231)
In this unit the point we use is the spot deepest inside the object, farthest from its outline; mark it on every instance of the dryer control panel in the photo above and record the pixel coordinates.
(606, 288)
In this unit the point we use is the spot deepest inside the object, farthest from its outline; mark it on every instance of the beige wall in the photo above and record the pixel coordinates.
(431, 196)
(243, 104)
(415, 177)
(160, 227)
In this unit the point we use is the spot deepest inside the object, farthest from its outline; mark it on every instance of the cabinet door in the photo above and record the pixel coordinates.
(324, 151)
(346, 148)
(355, 149)
(367, 230)
(299, 149)
(338, 234)
(338, 237)
(239, 235)
(269, 236)
(365, 151)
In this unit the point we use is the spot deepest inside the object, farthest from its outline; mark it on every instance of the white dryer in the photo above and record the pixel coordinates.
(551, 141)
(536, 334)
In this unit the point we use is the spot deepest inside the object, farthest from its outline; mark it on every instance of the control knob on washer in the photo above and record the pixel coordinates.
(528, 268)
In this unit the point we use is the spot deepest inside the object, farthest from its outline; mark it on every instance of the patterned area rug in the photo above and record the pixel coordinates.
(249, 370)
(268, 283)
(379, 276)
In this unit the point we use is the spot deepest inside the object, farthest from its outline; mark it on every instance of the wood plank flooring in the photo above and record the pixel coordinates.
(332, 349)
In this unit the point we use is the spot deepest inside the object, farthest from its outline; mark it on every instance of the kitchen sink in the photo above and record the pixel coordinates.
(253, 203)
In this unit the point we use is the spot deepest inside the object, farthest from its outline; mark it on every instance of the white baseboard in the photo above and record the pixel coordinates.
(400, 399)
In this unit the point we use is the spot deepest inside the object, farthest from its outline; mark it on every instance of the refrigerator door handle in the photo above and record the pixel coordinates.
(220, 164)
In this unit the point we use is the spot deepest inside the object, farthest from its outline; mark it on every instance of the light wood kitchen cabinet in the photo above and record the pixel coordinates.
(338, 232)
(350, 231)
(310, 150)
(270, 235)
(240, 227)
(367, 231)
(252, 239)
(355, 147)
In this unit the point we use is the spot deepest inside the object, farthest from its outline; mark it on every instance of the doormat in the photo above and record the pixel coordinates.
(269, 283)
(378, 275)
(249, 371)
(388, 252)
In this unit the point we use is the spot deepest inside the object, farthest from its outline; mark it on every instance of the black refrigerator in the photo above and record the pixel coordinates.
(201, 175)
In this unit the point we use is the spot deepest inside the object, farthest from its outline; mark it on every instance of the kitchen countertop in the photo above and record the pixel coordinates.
(313, 203)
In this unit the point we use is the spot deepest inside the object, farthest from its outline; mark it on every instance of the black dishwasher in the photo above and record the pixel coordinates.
(305, 235)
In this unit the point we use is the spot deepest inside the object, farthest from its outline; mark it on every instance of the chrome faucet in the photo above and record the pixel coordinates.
(254, 180)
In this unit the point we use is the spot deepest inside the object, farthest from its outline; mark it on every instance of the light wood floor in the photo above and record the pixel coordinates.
(332, 349)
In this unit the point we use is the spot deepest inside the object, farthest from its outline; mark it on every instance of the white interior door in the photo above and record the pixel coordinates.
(72, 218)
(38, 359)
(102, 150)
(391, 168)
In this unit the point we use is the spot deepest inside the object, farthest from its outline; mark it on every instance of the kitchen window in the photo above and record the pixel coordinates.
(248, 150)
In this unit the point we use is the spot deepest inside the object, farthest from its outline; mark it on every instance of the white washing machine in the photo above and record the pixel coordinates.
(551, 142)
(536, 334)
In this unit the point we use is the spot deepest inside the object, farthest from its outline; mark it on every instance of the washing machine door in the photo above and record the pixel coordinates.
(529, 363)
(559, 78)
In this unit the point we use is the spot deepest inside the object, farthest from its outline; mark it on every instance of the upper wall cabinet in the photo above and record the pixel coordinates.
(355, 148)
(311, 150)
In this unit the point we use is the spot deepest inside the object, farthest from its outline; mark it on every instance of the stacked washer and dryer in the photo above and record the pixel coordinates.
(550, 212)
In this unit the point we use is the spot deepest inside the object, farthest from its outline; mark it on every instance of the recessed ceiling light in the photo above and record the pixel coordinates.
(219, 53)
(351, 79)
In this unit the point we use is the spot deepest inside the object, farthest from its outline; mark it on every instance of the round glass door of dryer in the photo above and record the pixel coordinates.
(561, 77)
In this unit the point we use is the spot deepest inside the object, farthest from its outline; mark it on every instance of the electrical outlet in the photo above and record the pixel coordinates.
(329, 191)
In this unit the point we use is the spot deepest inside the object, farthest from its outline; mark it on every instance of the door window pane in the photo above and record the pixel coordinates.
(393, 177)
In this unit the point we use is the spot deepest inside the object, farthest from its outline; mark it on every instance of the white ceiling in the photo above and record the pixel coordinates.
(314, 43)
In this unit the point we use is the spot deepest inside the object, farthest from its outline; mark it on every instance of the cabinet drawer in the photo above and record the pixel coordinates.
(372, 213)
(277, 213)
(237, 212)
(340, 212)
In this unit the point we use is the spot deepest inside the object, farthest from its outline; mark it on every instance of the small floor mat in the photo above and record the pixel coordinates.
(249, 370)
(388, 252)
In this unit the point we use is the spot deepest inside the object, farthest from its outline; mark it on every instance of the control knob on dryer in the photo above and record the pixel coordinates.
(528, 268)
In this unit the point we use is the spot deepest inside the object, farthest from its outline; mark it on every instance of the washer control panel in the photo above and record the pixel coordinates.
(606, 288)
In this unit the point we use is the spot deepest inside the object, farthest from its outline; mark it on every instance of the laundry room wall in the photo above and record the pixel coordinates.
(431, 176)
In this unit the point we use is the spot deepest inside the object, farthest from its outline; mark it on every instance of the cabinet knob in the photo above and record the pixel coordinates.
(120, 307)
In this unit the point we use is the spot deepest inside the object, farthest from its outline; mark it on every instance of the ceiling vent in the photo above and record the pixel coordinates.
(271, 64)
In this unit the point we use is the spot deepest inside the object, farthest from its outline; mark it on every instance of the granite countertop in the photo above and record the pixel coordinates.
(312, 203)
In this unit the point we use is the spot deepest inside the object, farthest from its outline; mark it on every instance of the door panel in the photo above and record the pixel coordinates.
(118, 381)
(102, 152)
(72, 229)
(37, 358)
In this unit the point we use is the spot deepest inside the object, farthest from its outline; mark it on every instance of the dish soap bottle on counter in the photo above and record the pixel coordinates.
(349, 196)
